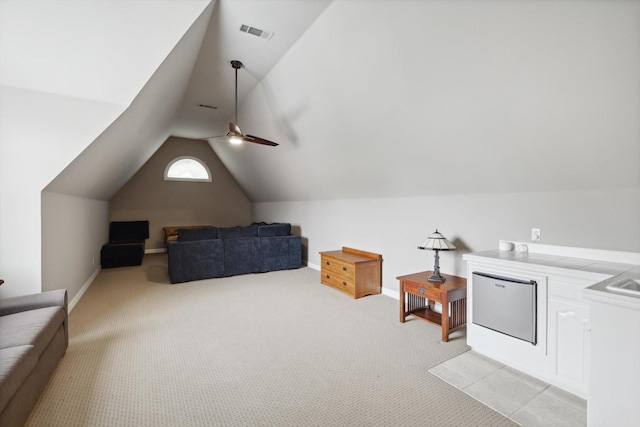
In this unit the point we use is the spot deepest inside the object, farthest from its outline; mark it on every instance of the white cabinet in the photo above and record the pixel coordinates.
(568, 359)
(614, 380)
(519, 354)
(561, 355)
(568, 332)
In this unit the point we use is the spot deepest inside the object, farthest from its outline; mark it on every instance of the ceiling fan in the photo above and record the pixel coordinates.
(235, 135)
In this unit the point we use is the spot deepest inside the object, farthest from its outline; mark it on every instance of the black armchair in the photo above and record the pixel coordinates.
(126, 244)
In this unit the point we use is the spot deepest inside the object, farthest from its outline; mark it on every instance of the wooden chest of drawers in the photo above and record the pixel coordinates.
(354, 272)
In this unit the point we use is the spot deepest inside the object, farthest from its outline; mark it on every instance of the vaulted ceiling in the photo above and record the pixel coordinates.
(383, 99)
(212, 80)
(368, 99)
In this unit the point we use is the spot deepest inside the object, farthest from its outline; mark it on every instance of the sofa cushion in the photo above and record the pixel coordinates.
(16, 363)
(275, 229)
(32, 327)
(193, 234)
(236, 232)
(241, 256)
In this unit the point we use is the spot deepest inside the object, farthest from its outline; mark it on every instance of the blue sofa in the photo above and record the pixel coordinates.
(209, 252)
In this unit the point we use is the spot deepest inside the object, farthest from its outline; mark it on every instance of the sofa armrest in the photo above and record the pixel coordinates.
(280, 253)
(199, 259)
(30, 302)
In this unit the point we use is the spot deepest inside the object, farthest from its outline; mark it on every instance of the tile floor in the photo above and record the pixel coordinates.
(524, 399)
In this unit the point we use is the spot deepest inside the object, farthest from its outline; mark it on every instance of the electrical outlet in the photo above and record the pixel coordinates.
(535, 234)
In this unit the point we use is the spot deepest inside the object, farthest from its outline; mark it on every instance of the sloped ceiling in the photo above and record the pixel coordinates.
(127, 63)
(98, 49)
(212, 81)
(107, 53)
(407, 98)
(367, 98)
(114, 157)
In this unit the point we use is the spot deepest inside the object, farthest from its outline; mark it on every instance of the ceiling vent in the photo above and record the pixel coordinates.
(256, 31)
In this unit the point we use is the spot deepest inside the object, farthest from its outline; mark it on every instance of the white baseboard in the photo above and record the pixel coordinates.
(84, 288)
(390, 293)
(155, 251)
(313, 266)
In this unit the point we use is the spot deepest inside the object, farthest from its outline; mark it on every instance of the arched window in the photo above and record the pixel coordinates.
(187, 168)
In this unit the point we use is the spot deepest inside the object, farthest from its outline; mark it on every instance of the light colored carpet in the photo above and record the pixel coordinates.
(273, 349)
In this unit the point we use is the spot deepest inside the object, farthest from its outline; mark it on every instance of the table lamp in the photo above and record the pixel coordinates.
(437, 242)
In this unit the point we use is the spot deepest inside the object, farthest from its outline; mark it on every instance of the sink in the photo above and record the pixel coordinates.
(627, 286)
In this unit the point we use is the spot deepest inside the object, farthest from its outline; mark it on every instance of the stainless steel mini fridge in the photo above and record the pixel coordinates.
(505, 305)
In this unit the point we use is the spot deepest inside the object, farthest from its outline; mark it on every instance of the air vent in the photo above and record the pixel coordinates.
(207, 106)
(256, 31)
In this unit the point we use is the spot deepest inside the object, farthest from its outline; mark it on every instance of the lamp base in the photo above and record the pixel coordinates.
(437, 278)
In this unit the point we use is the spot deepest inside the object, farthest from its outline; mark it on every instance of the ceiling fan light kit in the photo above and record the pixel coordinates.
(235, 135)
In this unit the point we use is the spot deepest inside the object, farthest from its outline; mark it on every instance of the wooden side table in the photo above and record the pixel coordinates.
(416, 293)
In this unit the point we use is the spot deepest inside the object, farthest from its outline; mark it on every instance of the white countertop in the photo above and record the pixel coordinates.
(604, 271)
(556, 261)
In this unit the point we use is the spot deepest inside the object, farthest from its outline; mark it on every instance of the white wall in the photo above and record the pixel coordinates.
(394, 227)
(73, 231)
(40, 134)
(57, 97)
(480, 118)
(112, 158)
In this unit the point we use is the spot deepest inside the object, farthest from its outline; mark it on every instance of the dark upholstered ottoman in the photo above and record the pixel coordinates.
(126, 244)
(121, 255)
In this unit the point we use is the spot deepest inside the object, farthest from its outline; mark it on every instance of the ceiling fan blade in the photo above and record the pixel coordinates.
(234, 132)
(259, 140)
(235, 135)
(206, 138)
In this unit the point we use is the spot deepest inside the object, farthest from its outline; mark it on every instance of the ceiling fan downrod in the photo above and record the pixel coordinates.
(235, 135)
(236, 65)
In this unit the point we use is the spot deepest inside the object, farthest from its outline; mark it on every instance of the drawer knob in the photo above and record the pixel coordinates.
(328, 263)
(328, 277)
(421, 290)
(344, 268)
(344, 283)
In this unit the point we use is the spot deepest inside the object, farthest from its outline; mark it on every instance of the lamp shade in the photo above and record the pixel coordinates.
(437, 242)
